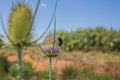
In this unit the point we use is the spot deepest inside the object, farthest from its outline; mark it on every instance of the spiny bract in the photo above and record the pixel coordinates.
(19, 23)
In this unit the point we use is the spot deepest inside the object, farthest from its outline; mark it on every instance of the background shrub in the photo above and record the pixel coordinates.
(98, 38)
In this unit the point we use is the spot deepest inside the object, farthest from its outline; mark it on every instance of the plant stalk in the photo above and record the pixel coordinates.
(19, 50)
(50, 68)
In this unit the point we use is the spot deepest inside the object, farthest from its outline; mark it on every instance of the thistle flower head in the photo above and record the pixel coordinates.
(50, 46)
(50, 49)
(49, 40)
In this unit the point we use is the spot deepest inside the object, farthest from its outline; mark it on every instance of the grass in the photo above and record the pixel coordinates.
(71, 73)
(45, 76)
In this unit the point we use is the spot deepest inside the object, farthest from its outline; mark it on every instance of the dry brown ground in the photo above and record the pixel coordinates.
(41, 64)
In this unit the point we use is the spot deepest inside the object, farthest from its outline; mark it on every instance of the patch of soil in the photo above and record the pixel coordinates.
(41, 64)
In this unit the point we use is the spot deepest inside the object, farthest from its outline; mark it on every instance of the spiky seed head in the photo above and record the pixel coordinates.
(19, 23)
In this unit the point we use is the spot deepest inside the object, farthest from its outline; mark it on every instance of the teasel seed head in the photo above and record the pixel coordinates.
(19, 23)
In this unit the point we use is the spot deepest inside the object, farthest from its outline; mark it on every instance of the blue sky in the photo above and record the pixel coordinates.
(71, 14)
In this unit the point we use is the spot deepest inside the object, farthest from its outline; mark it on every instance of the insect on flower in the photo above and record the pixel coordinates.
(60, 41)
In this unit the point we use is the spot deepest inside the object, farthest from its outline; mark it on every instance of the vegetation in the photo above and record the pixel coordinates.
(4, 65)
(45, 76)
(28, 71)
(1, 41)
(91, 39)
(70, 73)
(21, 19)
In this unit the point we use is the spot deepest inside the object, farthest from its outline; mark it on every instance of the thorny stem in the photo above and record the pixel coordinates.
(50, 68)
(19, 50)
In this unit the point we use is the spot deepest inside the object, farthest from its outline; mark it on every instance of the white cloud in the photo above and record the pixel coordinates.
(43, 5)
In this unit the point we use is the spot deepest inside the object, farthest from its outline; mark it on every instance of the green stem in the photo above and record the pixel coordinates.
(19, 50)
(50, 68)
